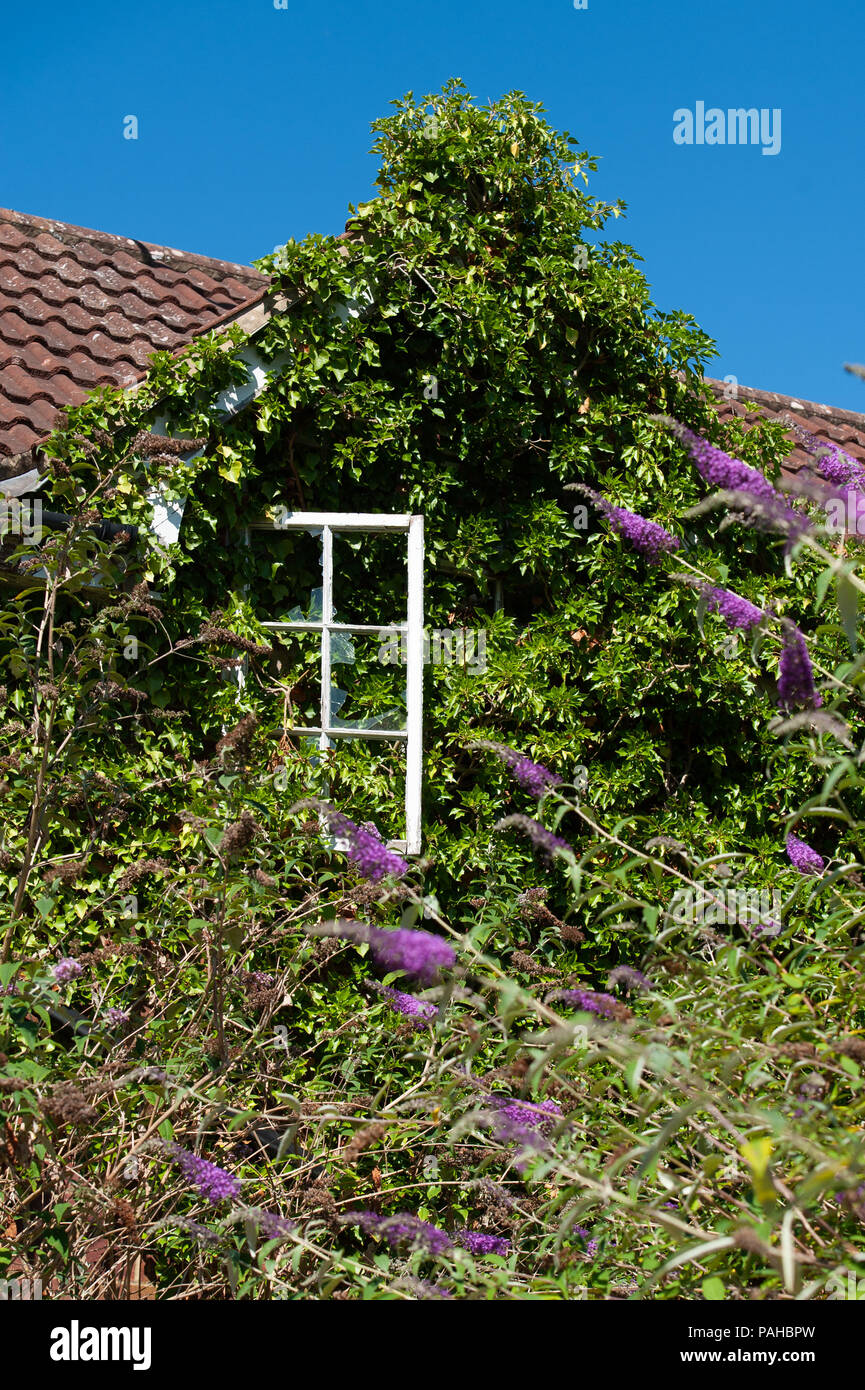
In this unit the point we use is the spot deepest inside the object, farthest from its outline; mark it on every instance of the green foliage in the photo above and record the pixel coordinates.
(468, 349)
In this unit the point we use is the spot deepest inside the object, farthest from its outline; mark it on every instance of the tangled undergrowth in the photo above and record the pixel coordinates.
(605, 1039)
(293, 1078)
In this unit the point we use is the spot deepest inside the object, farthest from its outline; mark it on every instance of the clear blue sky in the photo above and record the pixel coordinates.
(254, 127)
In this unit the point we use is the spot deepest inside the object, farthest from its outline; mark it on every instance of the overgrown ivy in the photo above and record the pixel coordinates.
(472, 345)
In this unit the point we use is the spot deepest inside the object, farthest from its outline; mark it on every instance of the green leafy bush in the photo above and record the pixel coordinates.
(185, 960)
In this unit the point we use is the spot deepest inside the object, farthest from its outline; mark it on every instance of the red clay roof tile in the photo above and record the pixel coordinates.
(18, 438)
(80, 308)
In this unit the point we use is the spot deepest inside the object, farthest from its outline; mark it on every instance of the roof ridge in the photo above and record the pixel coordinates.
(155, 254)
(773, 400)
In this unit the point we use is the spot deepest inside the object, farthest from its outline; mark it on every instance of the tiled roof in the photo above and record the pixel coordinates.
(80, 309)
(832, 426)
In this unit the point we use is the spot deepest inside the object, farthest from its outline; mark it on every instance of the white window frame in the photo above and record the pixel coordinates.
(326, 525)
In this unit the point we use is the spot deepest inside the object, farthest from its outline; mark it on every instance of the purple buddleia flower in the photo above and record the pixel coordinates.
(540, 1115)
(720, 470)
(839, 468)
(767, 930)
(803, 857)
(420, 954)
(366, 848)
(591, 1245)
(543, 840)
(403, 1229)
(114, 1017)
(589, 1001)
(67, 969)
(629, 977)
(364, 845)
(479, 1243)
(418, 1011)
(647, 537)
(271, 1224)
(732, 475)
(523, 1122)
(834, 463)
(795, 673)
(212, 1182)
(736, 611)
(532, 777)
